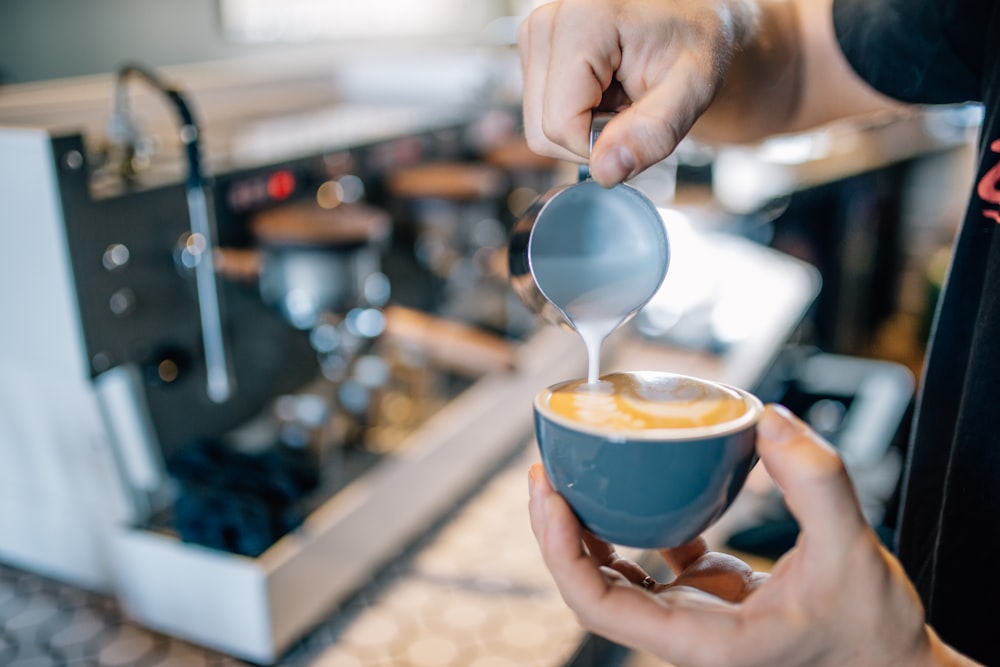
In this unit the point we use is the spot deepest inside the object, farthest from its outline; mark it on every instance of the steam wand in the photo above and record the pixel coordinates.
(219, 383)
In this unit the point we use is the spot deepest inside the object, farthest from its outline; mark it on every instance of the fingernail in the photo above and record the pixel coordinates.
(531, 481)
(624, 160)
(778, 425)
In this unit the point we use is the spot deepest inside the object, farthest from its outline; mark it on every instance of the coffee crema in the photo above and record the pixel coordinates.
(646, 401)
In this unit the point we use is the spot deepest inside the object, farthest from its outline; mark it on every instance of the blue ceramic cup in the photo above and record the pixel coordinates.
(647, 459)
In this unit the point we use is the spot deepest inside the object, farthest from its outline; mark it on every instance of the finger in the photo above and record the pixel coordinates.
(560, 537)
(574, 556)
(536, 495)
(601, 552)
(721, 575)
(586, 586)
(676, 626)
(534, 37)
(604, 554)
(682, 557)
(583, 56)
(650, 129)
(812, 476)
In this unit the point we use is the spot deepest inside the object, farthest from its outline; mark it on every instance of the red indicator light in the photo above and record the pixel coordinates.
(281, 185)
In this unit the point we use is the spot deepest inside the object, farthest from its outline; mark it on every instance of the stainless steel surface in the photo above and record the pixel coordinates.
(585, 251)
(468, 594)
(217, 362)
(316, 262)
(200, 242)
(472, 591)
(81, 499)
(66, 508)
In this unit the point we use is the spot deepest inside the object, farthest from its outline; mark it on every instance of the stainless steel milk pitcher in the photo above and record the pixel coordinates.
(580, 240)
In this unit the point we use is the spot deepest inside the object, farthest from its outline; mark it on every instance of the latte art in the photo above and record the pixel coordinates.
(638, 402)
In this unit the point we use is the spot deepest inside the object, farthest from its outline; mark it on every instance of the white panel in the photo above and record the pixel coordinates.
(37, 298)
(59, 492)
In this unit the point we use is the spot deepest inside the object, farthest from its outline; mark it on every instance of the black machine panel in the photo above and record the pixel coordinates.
(141, 307)
(144, 311)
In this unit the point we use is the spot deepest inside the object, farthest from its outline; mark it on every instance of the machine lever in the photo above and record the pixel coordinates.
(219, 386)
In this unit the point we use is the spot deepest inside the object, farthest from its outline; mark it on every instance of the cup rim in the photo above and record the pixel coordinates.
(755, 409)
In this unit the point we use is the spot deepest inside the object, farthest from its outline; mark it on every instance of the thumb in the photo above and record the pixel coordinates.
(812, 476)
(648, 130)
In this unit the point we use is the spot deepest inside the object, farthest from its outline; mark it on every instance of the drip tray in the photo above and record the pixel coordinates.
(255, 608)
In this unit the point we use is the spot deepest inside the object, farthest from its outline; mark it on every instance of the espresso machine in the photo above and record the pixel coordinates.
(212, 405)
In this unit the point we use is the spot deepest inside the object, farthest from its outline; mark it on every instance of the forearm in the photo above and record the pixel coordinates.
(764, 79)
(787, 74)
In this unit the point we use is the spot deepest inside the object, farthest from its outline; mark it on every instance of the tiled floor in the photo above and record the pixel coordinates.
(47, 624)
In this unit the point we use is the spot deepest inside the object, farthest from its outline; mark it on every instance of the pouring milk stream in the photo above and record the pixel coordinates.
(589, 257)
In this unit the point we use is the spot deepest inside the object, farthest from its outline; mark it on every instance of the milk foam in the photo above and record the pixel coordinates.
(639, 402)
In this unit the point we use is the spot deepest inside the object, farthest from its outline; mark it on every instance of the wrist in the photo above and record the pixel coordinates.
(940, 654)
(760, 92)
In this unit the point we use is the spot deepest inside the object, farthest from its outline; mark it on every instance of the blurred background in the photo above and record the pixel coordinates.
(65, 39)
(265, 390)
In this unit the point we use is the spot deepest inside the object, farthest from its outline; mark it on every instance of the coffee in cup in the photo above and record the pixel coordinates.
(623, 402)
(647, 459)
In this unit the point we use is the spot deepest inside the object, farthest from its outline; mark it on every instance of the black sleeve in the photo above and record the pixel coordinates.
(918, 51)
